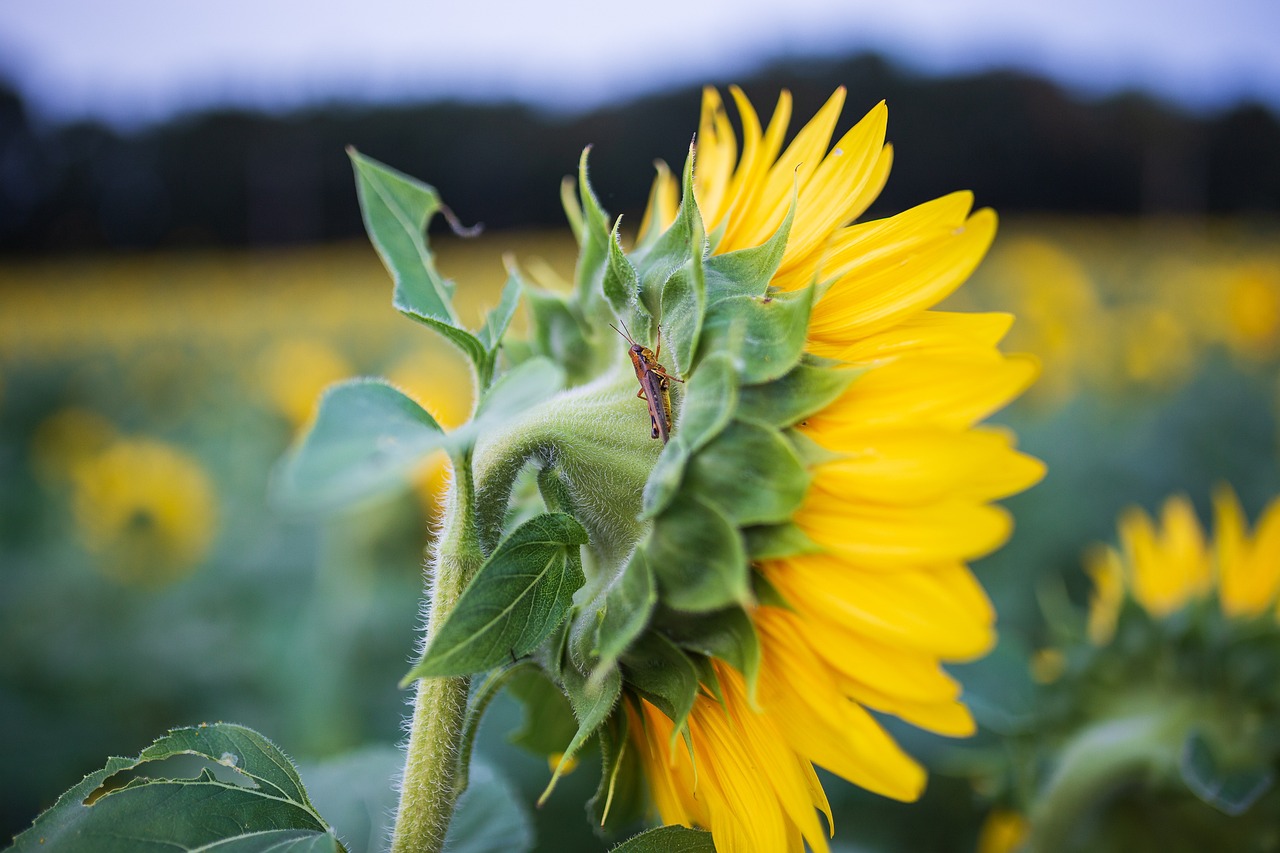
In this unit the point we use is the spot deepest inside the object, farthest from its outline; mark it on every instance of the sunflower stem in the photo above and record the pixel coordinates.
(1109, 754)
(433, 772)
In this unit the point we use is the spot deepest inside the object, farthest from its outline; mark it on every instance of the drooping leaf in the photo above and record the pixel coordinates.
(660, 672)
(253, 800)
(621, 797)
(768, 331)
(1229, 790)
(396, 210)
(668, 839)
(592, 700)
(751, 472)
(698, 556)
(368, 438)
(517, 598)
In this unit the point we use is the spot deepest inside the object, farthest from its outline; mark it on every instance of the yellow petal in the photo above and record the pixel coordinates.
(1106, 569)
(925, 333)
(664, 203)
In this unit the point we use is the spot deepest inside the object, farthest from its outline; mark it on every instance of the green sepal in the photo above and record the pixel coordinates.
(728, 635)
(396, 209)
(663, 482)
(698, 556)
(747, 272)
(516, 599)
(620, 799)
(809, 450)
(672, 285)
(774, 541)
(767, 333)
(558, 332)
(498, 319)
(1229, 790)
(572, 207)
(266, 804)
(809, 387)
(767, 595)
(620, 612)
(621, 286)
(593, 241)
(659, 671)
(548, 725)
(708, 680)
(592, 700)
(751, 472)
(668, 839)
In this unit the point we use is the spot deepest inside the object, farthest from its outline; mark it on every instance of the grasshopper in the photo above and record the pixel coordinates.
(655, 382)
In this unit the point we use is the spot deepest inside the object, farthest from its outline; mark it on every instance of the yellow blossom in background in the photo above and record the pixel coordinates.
(1003, 831)
(1155, 346)
(1060, 320)
(145, 510)
(1253, 309)
(437, 380)
(292, 374)
(897, 513)
(1167, 566)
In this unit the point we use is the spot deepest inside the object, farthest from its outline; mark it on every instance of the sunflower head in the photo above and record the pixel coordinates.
(1163, 710)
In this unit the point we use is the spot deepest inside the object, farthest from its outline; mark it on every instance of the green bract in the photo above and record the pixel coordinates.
(631, 571)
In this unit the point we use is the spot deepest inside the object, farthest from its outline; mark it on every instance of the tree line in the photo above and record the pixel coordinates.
(234, 177)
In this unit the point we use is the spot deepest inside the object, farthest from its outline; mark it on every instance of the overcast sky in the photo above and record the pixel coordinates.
(134, 61)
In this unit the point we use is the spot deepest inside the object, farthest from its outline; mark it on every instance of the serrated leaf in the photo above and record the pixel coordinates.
(516, 599)
(807, 388)
(668, 839)
(621, 797)
(367, 438)
(1230, 791)
(725, 634)
(659, 671)
(396, 209)
(768, 332)
(268, 806)
(592, 700)
(698, 556)
(751, 472)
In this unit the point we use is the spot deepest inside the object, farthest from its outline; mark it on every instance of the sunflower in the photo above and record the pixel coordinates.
(901, 503)
(1165, 568)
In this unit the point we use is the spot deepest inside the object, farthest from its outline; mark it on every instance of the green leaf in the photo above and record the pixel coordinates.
(499, 318)
(356, 792)
(368, 438)
(253, 801)
(1230, 791)
(747, 272)
(629, 600)
(516, 599)
(766, 333)
(773, 541)
(548, 719)
(751, 472)
(621, 798)
(592, 700)
(396, 209)
(725, 634)
(807, 388)
(491, 817)
(656, 669)
(621, 285)
(668, 839)
(698, 556)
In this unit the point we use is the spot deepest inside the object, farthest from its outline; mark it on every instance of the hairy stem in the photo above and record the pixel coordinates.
(433, 775)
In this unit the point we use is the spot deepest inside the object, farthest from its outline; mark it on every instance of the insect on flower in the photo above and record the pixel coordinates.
(655, 382)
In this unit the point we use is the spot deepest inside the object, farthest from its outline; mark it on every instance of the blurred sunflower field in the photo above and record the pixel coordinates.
(144, 400)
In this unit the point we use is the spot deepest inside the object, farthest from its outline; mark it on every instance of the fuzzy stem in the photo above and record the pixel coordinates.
(432, 771)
